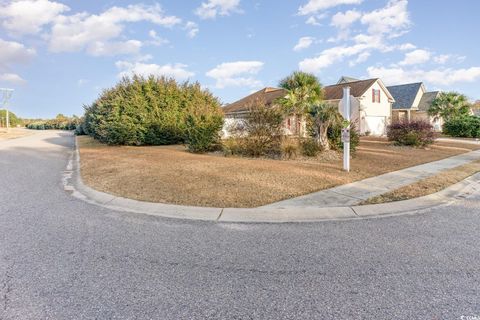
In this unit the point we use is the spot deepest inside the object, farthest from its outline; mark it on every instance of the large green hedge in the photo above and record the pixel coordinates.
(60, 122)
(464, 126)
(150, 111)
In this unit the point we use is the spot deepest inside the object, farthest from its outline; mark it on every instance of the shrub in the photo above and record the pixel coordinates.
(149, 111)
(325, 117)
(414, 133)
(202, 133)
(13, 120)
(232, 146)
(335, 137)
(289, 149)
(60, 122)
(465, 127)
(80, 129)
(262, 130)
(309, 147)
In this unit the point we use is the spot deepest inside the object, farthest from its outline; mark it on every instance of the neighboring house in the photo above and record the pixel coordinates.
(237, 111)
(422, 112)
(371, 103)
(412, 102)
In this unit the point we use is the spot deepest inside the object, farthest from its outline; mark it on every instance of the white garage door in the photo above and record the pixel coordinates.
(376, 125)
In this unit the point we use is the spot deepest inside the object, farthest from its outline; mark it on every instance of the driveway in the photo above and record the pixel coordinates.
(62, 258)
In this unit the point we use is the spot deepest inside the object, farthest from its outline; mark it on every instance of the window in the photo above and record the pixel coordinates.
(375, 95)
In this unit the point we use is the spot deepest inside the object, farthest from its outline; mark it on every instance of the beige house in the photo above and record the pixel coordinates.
(371, 103)
(237, 111)
(412, 102)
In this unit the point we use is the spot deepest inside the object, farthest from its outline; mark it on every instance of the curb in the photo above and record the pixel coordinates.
(73, 184)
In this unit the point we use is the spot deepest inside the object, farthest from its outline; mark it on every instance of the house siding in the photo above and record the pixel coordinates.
(369, 116)
(233, 120)
(375, 116)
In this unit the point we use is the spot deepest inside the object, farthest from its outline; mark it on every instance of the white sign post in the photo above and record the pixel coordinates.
(346, 131)
(5, 98)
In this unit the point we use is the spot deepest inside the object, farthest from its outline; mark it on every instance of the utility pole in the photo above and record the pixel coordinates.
(6, 95)
(346, 130)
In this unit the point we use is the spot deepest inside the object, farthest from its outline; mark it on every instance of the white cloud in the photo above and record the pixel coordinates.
(380, 24)
(406, 46)
(393, 17)
(361, 49)
(330, 56)
(439, 77)
(156, 39)
(442, 59)
(239, 73)
(85, 31)
(416, 57)
(13, 52)
(29, 16)
(362, 57)
(178, 71)
(114, 48)
(315, 20)
(344, 20)
(304, 43)
(314, 6)
(11, 78)
(212, 8)
(192, 29)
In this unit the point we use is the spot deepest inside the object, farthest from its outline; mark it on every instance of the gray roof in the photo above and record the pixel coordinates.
(426, 100)
(404, 95)
(345, 79)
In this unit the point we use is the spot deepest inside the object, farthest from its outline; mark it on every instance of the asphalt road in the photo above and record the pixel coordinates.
(61, 258)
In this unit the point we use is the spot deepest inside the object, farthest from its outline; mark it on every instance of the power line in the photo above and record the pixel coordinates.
(6, 96)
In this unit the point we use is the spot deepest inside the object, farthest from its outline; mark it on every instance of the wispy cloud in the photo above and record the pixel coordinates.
(178, 71)
(213, 8)
(314, 6)
(303, 43)
(238, 73)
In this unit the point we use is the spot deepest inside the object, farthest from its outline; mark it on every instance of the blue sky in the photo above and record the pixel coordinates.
(59, 54)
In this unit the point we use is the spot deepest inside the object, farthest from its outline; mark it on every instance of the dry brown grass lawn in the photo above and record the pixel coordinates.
(429, 185)
(13, 133)
(169, 174)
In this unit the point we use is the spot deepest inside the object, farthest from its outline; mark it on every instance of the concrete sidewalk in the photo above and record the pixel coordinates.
(460, 140)
(353, 193)
(334, 204)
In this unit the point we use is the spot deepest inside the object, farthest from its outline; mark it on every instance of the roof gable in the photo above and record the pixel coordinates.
(427, 100)
(405, 94)
(357, 89)
(345, 79)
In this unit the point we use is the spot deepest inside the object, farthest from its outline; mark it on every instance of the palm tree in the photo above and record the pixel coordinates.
(449, 104)
(303, 91)
(324, 116)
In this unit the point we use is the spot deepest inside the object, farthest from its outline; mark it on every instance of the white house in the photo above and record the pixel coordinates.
(371, 103)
